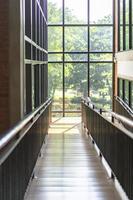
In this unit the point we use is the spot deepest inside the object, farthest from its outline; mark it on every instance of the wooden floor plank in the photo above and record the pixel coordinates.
(70, 167)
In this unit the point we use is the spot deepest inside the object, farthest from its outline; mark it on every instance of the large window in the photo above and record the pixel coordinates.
(80, 52)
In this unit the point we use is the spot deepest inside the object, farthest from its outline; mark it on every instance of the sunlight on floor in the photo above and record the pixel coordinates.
(69, 167)
(65, 125)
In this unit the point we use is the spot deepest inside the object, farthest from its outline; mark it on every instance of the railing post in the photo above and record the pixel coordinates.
(113, 119)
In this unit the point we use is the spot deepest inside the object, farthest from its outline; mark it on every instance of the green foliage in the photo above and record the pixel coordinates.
(76, 39)
(76, 74)
(54, 13)
(100, 39)
(55, 77)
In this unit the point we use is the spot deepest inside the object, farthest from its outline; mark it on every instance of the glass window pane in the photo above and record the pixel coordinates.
(76, 12)
(101, 57)
(132, 24)
(55, 39)
(101, 84)
(132, 12)
(36, 86)
(55, 78)
(132, 96)
(121, 12)
(101, 38)
(101, 11)
(127, 92)
(76, 57)
(76, 39)
(75, 85)
(127, 37)
(121, 38)
(28, 90)
(28, 18)
(121, 88)
(127, 12)
(55, 57)
(132, 35)
(55, 11)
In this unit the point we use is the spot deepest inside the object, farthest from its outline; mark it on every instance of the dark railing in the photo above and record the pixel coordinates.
(19, 150)
(122, 108)
(114, 142)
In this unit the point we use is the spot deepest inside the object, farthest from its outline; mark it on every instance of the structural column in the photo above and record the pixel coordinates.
(11, 59)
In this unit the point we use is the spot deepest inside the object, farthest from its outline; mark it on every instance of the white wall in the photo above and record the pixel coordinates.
(125, 69)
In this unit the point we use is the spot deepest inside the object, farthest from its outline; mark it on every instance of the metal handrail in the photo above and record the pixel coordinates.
(120, 118)
(88, 101)
(9, 135)
(114, 142)
(125, 105)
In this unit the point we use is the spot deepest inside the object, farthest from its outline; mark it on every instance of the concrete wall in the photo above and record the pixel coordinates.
(125, 64)
(125, 69)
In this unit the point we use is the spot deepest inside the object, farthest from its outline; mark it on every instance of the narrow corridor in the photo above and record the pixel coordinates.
(69, 168)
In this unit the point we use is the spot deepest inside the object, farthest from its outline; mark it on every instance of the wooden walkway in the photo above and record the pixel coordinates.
(70, 168)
